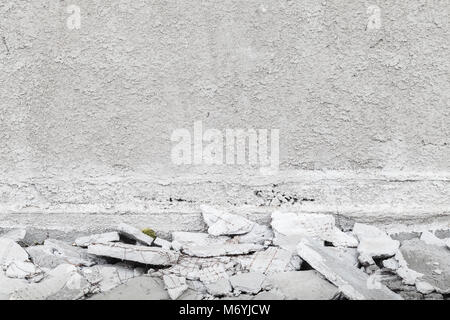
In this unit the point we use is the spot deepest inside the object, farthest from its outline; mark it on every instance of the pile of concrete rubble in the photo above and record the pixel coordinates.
(300, 256)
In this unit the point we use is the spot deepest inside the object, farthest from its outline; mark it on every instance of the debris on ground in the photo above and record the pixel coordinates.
(297, 256)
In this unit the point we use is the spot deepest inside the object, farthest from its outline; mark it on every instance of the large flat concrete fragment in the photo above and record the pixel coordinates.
(134, 233)
(63, 283)
(351, 281)
(139, 288)
(189, 239)
(141, 254)
(54, 252)
(10, 251)
(426, 259)
(300, 224)
(303, 285)
(224, 223)
(84, 242)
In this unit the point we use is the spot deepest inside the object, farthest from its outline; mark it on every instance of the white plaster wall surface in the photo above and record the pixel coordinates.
(86, 114)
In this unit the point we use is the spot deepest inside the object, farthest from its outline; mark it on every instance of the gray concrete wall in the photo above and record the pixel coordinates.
(86, 114)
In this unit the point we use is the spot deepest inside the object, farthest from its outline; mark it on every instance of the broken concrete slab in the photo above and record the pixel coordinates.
(54, 252)
(303, 285)
(351, 281)
(134, 234)
(374, 243)
(258, 235)
(63, 283)
(10, 251)
(175, 286)
(303, 225)
(269, 261)
(228, 249)
(84, 242)
(206, 270)
(425, 259)
(139, 288)
(107, 277)
(189, 239)
(224, 223)
(141, 254)
(431, 239)
(251, 282)
(22, 270)
(345, 254)
(16, 235)
(219, 288)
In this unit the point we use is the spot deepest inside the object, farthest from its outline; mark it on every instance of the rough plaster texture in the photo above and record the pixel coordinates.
(86, 115)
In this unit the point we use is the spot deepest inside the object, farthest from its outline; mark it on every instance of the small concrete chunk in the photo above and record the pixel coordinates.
(303, 285)
(424, 287)
(159, 242)
(97, 238)
(175, 286)
(224, 223)
(21, 270)
(141, 254)
(258, 235)
(134, 234)
(391, 264)
(374, 243)
(251, 282)
(10, 251)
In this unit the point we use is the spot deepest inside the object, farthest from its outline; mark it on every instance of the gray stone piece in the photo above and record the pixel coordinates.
(351, 281)
(303, 285)
(141, 254)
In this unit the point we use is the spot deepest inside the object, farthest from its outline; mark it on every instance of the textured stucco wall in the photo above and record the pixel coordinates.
(102, 101)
